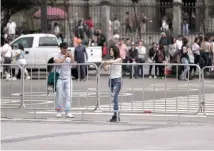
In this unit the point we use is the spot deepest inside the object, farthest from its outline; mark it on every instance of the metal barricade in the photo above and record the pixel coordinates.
(11, 87)
(159, 96)
(208, 91)
(38, 95)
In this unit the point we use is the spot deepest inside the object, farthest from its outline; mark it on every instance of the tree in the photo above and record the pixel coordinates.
(11, 7)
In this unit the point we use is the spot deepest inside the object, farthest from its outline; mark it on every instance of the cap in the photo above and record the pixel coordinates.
(63, 45)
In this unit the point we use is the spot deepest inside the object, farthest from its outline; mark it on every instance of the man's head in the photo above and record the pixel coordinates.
(63, 47)
(154, 45)
(180, 37)
(121, 41)
(133, 45)
(163, 34)
(79, 42)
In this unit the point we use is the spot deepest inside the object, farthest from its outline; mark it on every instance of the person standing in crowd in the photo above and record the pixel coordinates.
(64, 83)
(205, 52)
(123, 53)
(212, 51)
(115, 81)
(185, 59)
(133, 57)
(173, 48)
(6, 54)
(81, 56)
(56, 29)
(179, 42)
(141, 57)
(152, 52)
(196, 52)
(90, 24)
(165, 42)
(116, 26)
(101, 39)
(160, 58)
(128, 23)
(11, 29)
(20, 60)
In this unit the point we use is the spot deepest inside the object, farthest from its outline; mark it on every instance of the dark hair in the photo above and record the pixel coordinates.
(196, 39)
(115, 51)
(161, 47)
(20, 46)
(185, 42)
(206, 38)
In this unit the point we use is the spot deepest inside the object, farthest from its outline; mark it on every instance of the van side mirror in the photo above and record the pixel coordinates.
(26, 52)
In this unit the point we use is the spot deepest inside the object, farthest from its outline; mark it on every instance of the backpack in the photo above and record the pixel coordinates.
(52, 79)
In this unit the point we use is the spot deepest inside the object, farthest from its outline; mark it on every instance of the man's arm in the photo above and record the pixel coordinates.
(57, 60)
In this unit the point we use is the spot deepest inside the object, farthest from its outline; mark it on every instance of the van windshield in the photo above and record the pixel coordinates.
(48, 41)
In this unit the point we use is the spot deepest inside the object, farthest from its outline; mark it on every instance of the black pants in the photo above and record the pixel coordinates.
(7, 60)
(150, 70)
(196, 61)
(140, 68)
(128, 27)
(205, 56)
(161, 70)
(81, 71)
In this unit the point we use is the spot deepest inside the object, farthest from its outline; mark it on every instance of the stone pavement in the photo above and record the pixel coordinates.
(135, 134)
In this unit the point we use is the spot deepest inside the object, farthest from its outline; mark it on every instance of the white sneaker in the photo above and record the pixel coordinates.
(8, 78)
(155, 77)
(14, 78)
(58, 114)
(150, 77)
(28, 78)
(69, 115)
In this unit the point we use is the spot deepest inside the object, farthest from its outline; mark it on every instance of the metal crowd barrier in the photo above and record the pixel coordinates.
(143, 96)
(136, 99)
(207, 95)
(9, 99)
(39, 96)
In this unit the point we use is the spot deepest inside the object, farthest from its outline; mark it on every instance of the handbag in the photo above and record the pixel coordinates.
(52, 79)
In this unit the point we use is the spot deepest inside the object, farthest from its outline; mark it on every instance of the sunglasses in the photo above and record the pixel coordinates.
(64, 47)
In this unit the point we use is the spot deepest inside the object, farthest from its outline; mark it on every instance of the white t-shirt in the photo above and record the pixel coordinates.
(7, 50)
(56, 30)
(196, 48)
(115, 71)
(141, 52)
(179, 44)
(63, 70)
(11, 27)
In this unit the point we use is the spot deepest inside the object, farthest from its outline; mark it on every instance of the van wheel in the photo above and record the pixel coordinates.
(50, 67)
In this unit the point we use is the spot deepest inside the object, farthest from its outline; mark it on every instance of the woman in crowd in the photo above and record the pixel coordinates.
(185, 59)
(115, 79)
(141, 58)
(196, 52)
(160, 58)
(20, 60)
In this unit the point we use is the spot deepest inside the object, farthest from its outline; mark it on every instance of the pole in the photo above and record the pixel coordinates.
(44, 20)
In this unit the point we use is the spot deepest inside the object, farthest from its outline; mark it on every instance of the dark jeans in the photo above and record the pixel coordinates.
(133, 71)
(115, 86)
(128, 27)
(196, 61)
(81, 71)
(140, 68)
(7, 67)
(205, 56)
(161, 70)
(124, 67)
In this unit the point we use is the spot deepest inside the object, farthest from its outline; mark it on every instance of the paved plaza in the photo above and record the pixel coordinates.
(143, 125)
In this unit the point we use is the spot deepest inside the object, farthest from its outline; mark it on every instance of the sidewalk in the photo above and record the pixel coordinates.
(104, 135)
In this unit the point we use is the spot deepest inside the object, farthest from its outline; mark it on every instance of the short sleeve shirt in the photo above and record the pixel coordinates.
(65, 69)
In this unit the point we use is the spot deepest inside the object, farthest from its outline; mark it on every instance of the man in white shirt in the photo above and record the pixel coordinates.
(7, 55)
(11, 29)
(64, 83)
(179, 42)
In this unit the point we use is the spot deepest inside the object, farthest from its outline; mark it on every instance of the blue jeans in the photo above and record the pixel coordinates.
(186, 68)
(63, 94)
(185, 29)
(115, 86)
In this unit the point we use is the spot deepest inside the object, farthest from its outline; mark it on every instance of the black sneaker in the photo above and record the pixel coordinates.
(114, 119)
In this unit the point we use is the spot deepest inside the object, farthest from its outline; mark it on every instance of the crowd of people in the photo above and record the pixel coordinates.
(168, 50)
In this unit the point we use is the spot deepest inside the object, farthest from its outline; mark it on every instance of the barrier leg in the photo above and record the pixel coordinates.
(82, 115)
(179, 119)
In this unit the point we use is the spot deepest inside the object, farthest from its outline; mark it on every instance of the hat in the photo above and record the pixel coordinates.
(63, 45)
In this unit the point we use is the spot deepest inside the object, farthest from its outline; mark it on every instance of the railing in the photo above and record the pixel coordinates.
(92, 94)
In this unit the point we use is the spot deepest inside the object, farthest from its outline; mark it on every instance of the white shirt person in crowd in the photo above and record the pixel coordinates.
(20, 60)
(114, 79)
(11, 29)
(64, 83)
